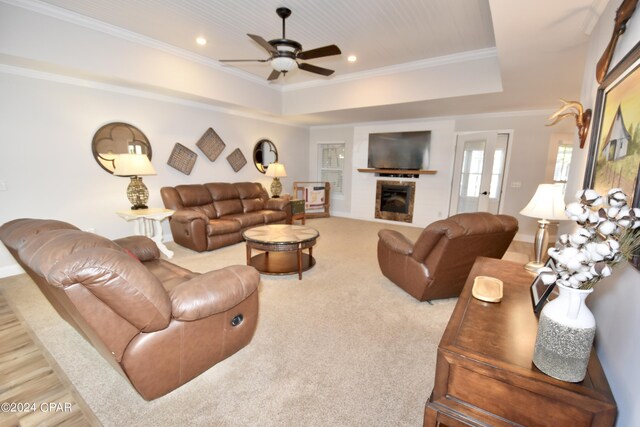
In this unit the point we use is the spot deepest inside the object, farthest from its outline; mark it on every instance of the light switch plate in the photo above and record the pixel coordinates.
(3, 185)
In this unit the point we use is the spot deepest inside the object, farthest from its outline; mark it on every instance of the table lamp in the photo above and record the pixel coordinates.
(547, 205)
(277, 171)
(135, 166)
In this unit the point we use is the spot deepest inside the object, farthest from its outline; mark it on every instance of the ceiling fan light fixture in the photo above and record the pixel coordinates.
(283, 63)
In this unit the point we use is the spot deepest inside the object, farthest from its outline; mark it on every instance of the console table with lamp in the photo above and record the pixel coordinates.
(147, 222)
(547, 205)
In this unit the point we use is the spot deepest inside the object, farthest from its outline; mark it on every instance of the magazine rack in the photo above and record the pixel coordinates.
(317, 197)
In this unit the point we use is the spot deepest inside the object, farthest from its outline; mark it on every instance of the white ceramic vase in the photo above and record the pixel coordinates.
(565, 335)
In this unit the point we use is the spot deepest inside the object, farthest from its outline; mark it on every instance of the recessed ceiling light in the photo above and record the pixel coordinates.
(352, 58)
(201, 41)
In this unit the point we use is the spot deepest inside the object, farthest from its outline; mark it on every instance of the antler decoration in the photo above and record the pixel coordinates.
(623, 14)
(575, 109)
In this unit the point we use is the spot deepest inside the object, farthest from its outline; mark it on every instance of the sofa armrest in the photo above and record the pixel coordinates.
(278, 204)
(396, 242)
(141, 247)
(185, 216)
(213, 292)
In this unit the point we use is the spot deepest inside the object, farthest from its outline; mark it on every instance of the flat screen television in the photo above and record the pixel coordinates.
(399, 150)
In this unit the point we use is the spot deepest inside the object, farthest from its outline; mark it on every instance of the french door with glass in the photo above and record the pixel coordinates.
(478, 172)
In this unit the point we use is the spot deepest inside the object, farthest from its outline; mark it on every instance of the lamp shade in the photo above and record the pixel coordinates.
(133, 165)
(547, 203)
(282, 64)
(276, 170)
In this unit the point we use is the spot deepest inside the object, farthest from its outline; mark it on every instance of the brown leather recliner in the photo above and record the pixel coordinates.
(213, 215)
(438, 263)
(158, 324)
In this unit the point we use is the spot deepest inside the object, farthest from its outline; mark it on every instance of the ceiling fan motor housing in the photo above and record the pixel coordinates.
(284, 53)
(285, 59)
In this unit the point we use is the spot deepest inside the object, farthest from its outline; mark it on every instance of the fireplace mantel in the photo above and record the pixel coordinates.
(400, 171)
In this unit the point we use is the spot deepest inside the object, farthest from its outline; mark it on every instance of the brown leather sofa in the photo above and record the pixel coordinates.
(158, 324)
(438, 263)
(213, 215)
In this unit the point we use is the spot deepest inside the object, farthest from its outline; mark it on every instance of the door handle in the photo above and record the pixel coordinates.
(485, 193)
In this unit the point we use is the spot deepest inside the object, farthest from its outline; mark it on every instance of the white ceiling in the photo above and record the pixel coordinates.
(540, 45)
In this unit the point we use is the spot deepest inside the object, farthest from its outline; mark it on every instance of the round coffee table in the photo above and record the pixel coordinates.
(282, 246)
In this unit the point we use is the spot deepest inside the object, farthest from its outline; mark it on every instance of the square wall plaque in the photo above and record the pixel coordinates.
(182, 158)
(236, 160)
(211, 144)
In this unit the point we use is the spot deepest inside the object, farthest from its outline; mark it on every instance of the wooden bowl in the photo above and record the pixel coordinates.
(487, 289)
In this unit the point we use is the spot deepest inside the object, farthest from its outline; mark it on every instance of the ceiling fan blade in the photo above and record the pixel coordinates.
(244, 60)
(274, 75)
(315, 69)
(320, 52)
(262, 42)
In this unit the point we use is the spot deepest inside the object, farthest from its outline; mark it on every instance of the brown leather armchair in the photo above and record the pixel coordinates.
(438, 263)
(158, 324)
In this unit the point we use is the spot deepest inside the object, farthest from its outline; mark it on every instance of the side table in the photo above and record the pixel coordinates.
(484, 374)
(148, 222)
(298, 211)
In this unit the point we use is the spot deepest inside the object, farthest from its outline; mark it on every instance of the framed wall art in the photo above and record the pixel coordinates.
(614, 153)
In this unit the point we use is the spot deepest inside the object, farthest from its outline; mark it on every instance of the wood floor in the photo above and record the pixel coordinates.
(33, 389)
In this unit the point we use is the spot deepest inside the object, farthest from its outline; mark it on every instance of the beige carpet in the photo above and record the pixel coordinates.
(341, 347)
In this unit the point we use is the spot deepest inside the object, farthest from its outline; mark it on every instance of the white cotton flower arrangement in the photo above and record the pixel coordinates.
(608, 233)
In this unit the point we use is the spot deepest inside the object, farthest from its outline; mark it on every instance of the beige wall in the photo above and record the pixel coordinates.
(50, 172)
(530, 150)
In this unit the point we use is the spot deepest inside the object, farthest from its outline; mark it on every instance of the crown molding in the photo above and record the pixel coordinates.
(142, 93)
(439, 61)
(112, 30)
(494, 115)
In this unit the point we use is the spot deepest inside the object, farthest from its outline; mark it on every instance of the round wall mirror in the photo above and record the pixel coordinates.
(118, 138)
(264, 153)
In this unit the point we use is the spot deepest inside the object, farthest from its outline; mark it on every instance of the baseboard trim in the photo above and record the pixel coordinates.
(10, 270)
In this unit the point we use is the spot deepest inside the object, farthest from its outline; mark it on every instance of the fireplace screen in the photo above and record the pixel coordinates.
(394, 200)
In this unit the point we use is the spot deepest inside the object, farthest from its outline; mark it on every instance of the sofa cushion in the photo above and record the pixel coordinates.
(247, 219)
(207, 210)
(250, 190)
(222, 191)
(118, 281)
(170, 275)
(193, 195)
(227, 207)
(217, 227)
(273, 216)
(252, 205)
(46, 249)
(16, 233)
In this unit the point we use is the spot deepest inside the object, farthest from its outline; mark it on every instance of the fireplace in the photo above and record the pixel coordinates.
(394, 200)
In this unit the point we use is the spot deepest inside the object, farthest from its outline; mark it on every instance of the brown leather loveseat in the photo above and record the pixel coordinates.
(213, 215)
(158, 324)
(438, 263)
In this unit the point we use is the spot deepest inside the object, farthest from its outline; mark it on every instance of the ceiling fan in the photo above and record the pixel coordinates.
(285, 53)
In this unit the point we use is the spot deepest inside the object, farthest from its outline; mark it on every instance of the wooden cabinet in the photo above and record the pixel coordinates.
(484, 373)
